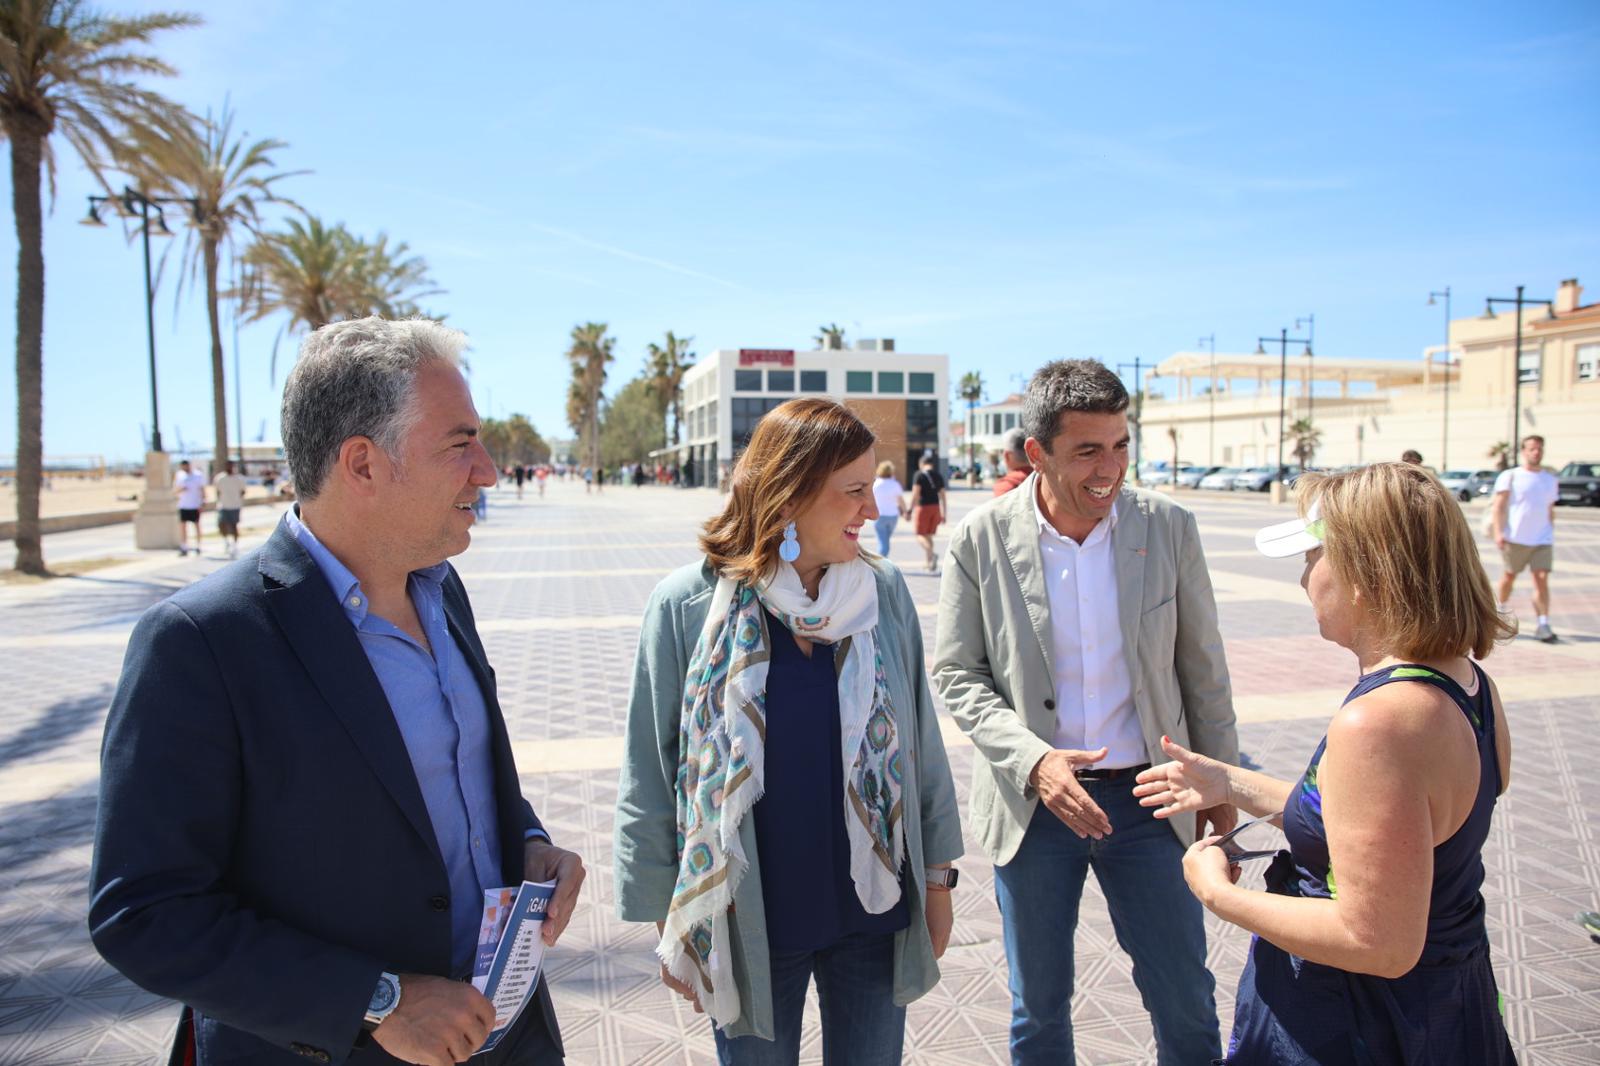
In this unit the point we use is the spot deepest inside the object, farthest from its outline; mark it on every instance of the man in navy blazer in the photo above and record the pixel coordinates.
(306, 779)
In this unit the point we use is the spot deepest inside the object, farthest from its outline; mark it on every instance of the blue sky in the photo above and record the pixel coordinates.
(1005, 183)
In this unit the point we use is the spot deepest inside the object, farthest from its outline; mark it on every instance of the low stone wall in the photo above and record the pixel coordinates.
(65, 523)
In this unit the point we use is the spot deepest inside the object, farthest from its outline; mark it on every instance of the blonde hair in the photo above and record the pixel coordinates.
(886, 469)
(1399, 540)
(795, 447)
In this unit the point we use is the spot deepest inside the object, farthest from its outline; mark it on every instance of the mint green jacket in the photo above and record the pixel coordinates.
(645, 856)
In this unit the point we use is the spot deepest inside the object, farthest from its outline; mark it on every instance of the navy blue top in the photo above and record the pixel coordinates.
(810, 900)
(1446, 1010)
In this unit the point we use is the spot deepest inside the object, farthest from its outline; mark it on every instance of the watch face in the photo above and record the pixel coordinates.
(384, 997)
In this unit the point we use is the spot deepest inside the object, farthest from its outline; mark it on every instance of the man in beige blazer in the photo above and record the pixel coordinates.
(1077, 628)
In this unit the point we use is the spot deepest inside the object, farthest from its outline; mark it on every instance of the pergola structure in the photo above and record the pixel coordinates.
(1221, 372)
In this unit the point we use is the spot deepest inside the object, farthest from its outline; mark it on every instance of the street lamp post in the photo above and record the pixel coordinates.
(1310, 322)
(1138, 412)
(1210, 341)
(1444, 442)
(1284, 341)
(1519, 301)
(155, 524)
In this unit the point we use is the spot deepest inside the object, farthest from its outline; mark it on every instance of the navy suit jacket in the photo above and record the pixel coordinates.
(263, 850)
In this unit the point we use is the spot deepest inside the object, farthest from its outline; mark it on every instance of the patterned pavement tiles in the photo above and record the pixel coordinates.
(562, 580)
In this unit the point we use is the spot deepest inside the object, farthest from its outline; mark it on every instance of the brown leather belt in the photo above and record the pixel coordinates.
(1111, 775)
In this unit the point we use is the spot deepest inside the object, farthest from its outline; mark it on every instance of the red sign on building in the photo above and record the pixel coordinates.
(752, 356)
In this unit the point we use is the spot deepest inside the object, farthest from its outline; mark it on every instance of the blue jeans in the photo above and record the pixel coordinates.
(1156, 919)
(861, 1026)
(884, 524)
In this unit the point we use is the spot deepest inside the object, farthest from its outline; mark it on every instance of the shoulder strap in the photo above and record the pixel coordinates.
(1444, 683)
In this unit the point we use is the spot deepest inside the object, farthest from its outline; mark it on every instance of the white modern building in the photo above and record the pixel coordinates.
(900, 395)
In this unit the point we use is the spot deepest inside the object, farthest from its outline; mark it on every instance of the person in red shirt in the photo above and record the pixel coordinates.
(1016, 459)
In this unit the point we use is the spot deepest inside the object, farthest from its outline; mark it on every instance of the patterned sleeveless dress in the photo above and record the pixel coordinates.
(1446, 1009)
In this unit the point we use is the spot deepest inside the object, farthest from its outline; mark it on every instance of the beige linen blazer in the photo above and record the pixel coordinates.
(993, 665)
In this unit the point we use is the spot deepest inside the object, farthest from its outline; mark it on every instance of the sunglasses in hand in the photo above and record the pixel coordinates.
(1253, 844)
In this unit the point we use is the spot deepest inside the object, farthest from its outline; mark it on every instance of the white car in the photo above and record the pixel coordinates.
(1221, 478)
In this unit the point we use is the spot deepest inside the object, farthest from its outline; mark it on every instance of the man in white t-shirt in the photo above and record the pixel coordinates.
(230, 501)
(1525, 528)
(190, 485)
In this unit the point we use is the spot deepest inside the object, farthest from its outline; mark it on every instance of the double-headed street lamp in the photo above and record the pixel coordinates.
(1519, 301)
(147, 209)
(1138, 410)
(1284, 340)
(1210, 341)
(155, 523)
(1444, 443)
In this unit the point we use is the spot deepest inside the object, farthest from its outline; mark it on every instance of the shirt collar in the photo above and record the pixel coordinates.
(346, 587)
(1101, 530)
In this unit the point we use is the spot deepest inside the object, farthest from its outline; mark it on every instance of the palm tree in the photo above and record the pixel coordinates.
(316, 273)
(590, 353)
(1307, 438)
(666, 368)
(1500, 452)
(65, 69)
(229, 182)
(830, 336)
(971, 390)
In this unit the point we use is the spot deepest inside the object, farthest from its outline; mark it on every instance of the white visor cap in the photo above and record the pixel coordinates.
(1295, 537)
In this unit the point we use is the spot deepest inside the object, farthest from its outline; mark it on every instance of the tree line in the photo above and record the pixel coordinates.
(627, 427)
(72, 74)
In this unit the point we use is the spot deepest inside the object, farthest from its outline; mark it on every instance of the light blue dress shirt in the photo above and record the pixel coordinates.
(442, 715)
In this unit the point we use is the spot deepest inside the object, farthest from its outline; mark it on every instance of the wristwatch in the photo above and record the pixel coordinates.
(945, 879)
(385, 998)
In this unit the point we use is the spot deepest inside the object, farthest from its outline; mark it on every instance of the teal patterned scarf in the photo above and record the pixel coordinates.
(721, 758)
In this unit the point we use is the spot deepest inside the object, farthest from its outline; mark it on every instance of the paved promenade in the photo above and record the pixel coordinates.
(558, 584)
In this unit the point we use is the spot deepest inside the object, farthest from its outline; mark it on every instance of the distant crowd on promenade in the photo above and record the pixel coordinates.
(308, 786)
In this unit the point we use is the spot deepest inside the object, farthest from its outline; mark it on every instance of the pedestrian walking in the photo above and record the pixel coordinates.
(190, 485)
(230, 488)
(520, 472)
(929, 507)
(1076, 628)
(1524, 521)
(786, 811)
(1015, 455)
(307, 784)
(890, 497)
(1386, 959)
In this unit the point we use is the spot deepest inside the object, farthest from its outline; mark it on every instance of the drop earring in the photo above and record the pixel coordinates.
(789, 550)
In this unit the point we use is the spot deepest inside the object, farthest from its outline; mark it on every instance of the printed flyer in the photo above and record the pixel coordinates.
(510, 951)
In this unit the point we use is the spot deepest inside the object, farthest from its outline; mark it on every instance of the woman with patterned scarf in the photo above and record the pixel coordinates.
(786, 810)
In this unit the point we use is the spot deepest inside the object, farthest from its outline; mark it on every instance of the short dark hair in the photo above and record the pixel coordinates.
(1086, 386)
(1411, 455)
(1532, 436)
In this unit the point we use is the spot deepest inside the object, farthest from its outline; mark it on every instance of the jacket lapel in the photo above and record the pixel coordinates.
(1128, 547)
(1019, 533)
(326, 644)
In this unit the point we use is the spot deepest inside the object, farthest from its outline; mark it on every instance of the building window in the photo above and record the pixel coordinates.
(1589, 362)
(1011, 420)
(1528, 367)
(922, 422)
(921, 383)
(858, 381)
(747, 381)
(708, 419)
(780, 381)
(747, 411)
(813, 381)
(891, 381)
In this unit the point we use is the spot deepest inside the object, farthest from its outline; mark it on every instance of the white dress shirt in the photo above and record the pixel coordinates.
(1094, 689)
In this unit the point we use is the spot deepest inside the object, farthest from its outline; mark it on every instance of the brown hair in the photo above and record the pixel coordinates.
(1398, 538)
(886, 469)
(794, 449)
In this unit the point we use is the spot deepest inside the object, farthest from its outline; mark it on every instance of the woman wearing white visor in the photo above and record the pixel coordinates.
(1370, 944)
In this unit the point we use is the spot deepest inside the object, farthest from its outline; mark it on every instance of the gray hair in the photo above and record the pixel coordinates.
(1015, 439)
(356, 379)
(1086, 386)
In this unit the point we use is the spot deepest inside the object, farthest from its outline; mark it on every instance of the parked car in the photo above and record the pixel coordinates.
(1189, 477)
(1580, 484)
(1468, 485)
(1221, 478)
(1260, 478)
